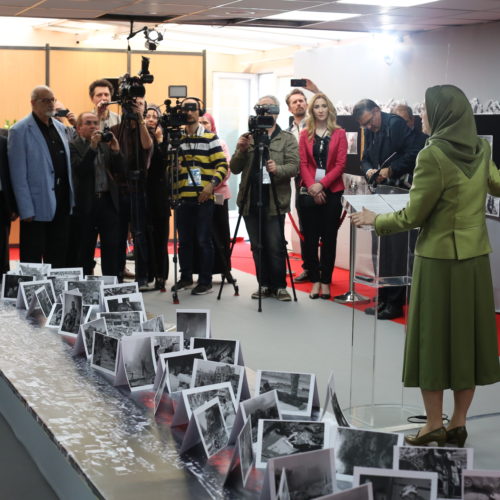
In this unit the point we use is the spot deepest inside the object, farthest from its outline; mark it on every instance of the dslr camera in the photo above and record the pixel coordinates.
(262, 119)
(106, 135)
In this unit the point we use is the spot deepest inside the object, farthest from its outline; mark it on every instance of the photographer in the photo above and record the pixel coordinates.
(202, 167)
(96, 162)
(136, 145)
(100, 92)
(281, 161)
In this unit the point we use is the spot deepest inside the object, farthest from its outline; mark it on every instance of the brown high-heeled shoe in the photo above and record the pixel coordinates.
(437, 436)
(457, 436)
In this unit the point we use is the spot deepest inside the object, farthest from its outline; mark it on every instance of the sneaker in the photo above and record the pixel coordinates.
(303, 277)
(265, 292)
(282, 295)
(144, 286)
(182, 285)
(200, 289)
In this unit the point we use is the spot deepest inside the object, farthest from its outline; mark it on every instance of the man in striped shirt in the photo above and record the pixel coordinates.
(202, 167)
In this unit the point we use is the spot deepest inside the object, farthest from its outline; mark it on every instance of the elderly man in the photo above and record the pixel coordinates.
(281, 161)
(40, 170)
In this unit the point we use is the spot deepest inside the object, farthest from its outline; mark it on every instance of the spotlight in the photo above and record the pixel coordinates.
(153, 38)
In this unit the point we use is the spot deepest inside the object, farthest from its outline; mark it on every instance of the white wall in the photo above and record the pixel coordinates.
(465, 56)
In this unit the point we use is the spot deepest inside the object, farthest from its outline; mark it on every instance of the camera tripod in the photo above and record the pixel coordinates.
(262, 141)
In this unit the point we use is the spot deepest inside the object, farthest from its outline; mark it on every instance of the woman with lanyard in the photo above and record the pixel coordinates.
(323, 152)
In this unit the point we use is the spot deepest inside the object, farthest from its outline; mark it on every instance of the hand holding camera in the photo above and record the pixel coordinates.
(244, 142)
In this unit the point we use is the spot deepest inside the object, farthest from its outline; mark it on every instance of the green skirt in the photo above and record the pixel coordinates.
(451, 340)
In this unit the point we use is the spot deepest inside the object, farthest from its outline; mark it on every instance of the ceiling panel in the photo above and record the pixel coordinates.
(65, 13)
(427, 12)
(468, 4)
(283, 5)
(164, 10)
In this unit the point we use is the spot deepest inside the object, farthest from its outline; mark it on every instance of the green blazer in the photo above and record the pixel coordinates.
(447, 206)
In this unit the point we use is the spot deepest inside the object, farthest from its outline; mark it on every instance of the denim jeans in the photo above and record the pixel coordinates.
(194, 223)
(272, 271)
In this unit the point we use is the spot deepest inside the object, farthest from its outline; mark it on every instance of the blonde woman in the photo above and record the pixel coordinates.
(323, 152)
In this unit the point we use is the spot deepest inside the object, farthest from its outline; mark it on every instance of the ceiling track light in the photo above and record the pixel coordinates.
(152, 36)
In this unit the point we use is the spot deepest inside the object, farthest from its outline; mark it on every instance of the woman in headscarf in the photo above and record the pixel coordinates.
(451, 340)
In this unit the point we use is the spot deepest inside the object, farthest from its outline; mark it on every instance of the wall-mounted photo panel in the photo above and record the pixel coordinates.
(193, 323)
(55, 317)
(194, 398)
(44, 301)
(10, 286)
(390, 483)
(120, 289)
(106, 280)
(180, 368)
(71, 314)
(210, 372)
(363, 448)
(447, 462)
(309, 475)
(278, 438)
(122, 324)
(138, 362)
(297, 392)
(126, 303)
(163, 343)
(105, 353)
(88, 330)
(481, 484)
(156, 324)
(220, 350)
(91, 290)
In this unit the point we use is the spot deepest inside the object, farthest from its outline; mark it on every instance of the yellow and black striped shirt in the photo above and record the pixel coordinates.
(202, 154)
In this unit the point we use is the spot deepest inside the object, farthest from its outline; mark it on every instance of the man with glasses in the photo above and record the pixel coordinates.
(97, 162)
(389, 155)
(40, 170)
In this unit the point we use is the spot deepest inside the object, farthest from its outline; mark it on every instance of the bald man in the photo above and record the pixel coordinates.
(40, 169)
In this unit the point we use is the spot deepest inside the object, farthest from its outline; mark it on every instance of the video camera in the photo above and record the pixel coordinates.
(262, 119)
(176, 116)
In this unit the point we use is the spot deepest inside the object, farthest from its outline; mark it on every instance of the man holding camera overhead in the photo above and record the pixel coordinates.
(101, 92)
(202, 167)
(281, 160)
(97, 162)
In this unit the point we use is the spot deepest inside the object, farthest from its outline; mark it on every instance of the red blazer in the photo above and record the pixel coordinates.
(335, 164)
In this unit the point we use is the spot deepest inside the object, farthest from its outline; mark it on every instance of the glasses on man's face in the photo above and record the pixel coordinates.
(47, 100)
(369, 122)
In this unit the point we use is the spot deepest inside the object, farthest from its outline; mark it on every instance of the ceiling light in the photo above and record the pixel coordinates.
(309, 15)
(387, 3)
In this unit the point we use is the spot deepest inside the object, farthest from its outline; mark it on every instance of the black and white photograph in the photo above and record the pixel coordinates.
(91, 290)
(492, 205)
(88, 330)
(38, 270)
(122, 324)
(295, 390)
(363, 492)
(358, 447)
(447, 462)
(105, 353)
(55, 317)
(28, 289)
(166, 342)
(156, 324)
(120, 289)
(59, 283)
(309, 475)
(126, 303)
(106, 280)
(139, 366)
(220, 350)
(481, 484)
(160, 390)
(193, 323)
(71, 314)
(352, 143)
(44, 301)
(180, 368)
(283, 489)
(278, 438)
(246, 451)
(76, 273)
(265, 407)
(209, 372)
(401, 484)
(10, 286)
(211, 427)
(194, 398)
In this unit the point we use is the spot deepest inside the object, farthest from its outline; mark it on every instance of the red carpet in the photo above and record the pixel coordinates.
(243, 261)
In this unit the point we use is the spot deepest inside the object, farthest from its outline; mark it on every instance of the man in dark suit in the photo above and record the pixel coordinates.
(8, 207)
(40, 171)
(97, 163)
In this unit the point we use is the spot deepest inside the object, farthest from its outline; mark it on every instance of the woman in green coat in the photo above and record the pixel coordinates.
(451, 340)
